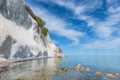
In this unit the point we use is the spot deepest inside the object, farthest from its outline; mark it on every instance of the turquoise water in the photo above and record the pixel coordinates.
(43, 69)
(101, 61)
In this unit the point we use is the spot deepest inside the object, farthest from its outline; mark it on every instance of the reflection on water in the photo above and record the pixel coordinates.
(41, 69)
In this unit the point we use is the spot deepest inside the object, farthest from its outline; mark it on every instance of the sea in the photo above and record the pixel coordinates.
(44, 69)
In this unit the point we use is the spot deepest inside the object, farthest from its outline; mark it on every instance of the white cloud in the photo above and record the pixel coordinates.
(74, 6)
(105, 29)
(57, 25)
(108, 27)
(101, 44)
(102, 29)
(104, 32)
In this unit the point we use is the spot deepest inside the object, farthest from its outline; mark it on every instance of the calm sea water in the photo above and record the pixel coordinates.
(43, 69)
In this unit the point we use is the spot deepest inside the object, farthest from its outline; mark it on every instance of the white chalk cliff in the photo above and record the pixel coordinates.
(19, 35)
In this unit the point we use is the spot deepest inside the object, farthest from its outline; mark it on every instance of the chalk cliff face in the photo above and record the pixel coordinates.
(20, 36)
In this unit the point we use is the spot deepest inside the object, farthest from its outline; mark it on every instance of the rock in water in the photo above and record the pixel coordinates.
(58, 70)
(78, 66)
(111, 75)
(98, 74)
(20, 34)
(87, 69)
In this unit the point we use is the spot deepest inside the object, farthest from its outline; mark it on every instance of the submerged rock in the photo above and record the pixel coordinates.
(72, 67)
(117, 74)
(65, 62)
(75, 67)
(101, 62)
(98, 74)
(82, 70)
(57, 70)
(109, 75)
(87, 69)
(78, 66)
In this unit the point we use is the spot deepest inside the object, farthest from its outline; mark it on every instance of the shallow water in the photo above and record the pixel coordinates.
(43, 69)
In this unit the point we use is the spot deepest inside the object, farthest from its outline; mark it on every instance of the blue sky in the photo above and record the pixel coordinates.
(82, 27)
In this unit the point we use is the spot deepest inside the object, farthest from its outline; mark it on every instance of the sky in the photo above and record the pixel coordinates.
(81, 27)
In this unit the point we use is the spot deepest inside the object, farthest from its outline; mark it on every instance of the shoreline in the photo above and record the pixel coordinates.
(5, 64)
(28, 59)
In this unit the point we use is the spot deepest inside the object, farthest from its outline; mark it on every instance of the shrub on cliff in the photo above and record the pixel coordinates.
(45, 31)
(40, 22)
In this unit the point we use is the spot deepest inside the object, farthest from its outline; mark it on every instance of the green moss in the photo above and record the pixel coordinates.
(40, 22)
(64, 69)
(29, 69)
(18, 79)
(45, 31)
(58, 70)
(37, 70)
(43, 78)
